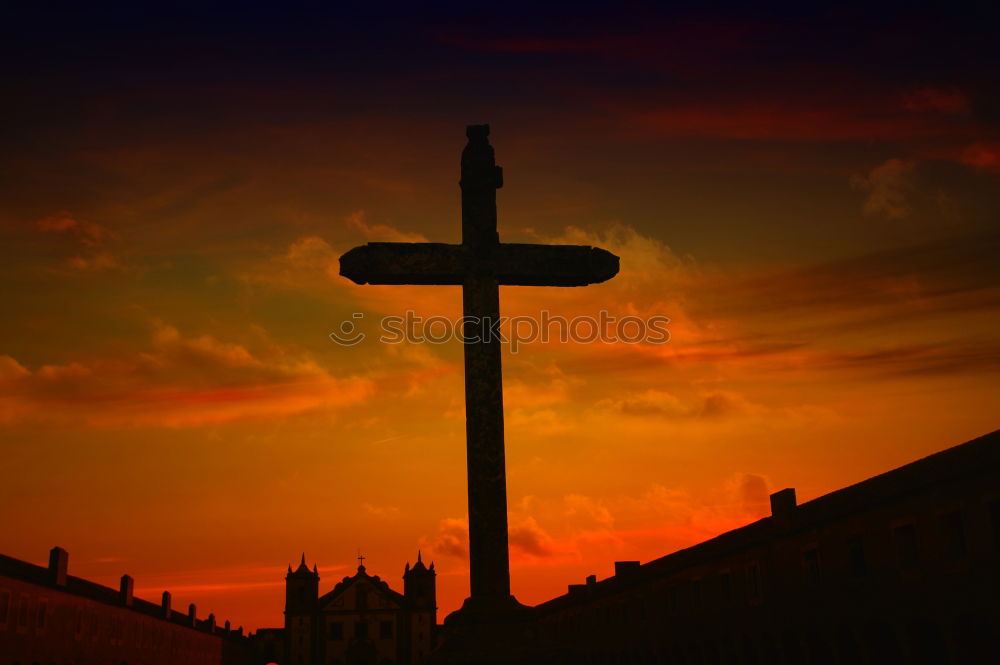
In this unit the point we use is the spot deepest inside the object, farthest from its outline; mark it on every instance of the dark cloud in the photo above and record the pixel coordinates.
(528, 537)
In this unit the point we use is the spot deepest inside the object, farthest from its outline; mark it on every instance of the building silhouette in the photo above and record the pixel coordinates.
(900, 568)
(361, 621)
(48, 616)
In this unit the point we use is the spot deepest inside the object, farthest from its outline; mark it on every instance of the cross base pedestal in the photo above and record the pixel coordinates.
(493, 631)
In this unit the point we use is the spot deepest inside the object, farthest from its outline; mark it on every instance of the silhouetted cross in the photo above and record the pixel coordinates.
(481, 264)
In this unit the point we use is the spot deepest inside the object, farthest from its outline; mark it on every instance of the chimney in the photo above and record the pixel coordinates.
(58, 564)
(211, 623)
(591, 580)
(626, 568)
(165, 604)
(783, 504)
(192, 613)
(229, 626)
(125, 590)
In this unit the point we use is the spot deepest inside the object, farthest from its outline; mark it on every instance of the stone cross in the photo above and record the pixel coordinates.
(481, 264)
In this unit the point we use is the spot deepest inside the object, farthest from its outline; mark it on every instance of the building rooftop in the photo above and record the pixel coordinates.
(978, 457)
(46, 577)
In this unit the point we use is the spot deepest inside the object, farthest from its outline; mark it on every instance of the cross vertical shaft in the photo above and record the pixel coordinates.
(488, 547)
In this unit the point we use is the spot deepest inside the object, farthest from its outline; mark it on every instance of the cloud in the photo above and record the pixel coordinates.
(92, 242)
(87, 233)
(587, 512)
(983, 155)
(649, 403)
(179, 381)
(546, 386)
(526, 537)
(722, 404)
(312, 263)
(754, 493)
(381, 512)
(540, 422)
(951, 101)
(380, 232)
(452, 538)
(229, 579)
(713, 405)
(888, 186)
(578, 527)
(529, 538)
(312, 253)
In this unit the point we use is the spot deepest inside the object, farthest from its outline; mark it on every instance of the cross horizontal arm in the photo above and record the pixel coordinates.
(513, 264)
(553, 265)
(404, 263)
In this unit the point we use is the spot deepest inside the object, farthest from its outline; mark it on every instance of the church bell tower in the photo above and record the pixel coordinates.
(301, 596)
(301, 589)
(420, 585)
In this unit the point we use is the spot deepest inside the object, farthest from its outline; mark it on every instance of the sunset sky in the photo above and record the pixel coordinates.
(810, 195)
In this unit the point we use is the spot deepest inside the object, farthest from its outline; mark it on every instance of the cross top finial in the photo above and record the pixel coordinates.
(361, 560)
(477, 132)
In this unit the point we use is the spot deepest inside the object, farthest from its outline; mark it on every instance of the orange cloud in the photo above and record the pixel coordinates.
(180, 381)
(528, 538)
(579, 530)
(452, 538)
(887, 185)
(713, 405)
(92, 238)
(380, 232)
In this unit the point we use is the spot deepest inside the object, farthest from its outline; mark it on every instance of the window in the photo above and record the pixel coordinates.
(674, 598)
(43, 606)
(385, 629)
(361, 630)
(810, 561)
(953, 534)
(856, 561)
(726, 587)
(4, 607)
(906, 544)
(22, 612)
(336, 631)
(696, 594)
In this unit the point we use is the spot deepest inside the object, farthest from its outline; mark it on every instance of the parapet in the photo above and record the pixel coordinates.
(56, 576)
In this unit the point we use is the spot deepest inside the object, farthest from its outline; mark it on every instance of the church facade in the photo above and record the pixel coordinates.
(361, 621)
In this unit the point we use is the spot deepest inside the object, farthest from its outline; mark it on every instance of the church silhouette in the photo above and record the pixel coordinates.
(361, 620)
